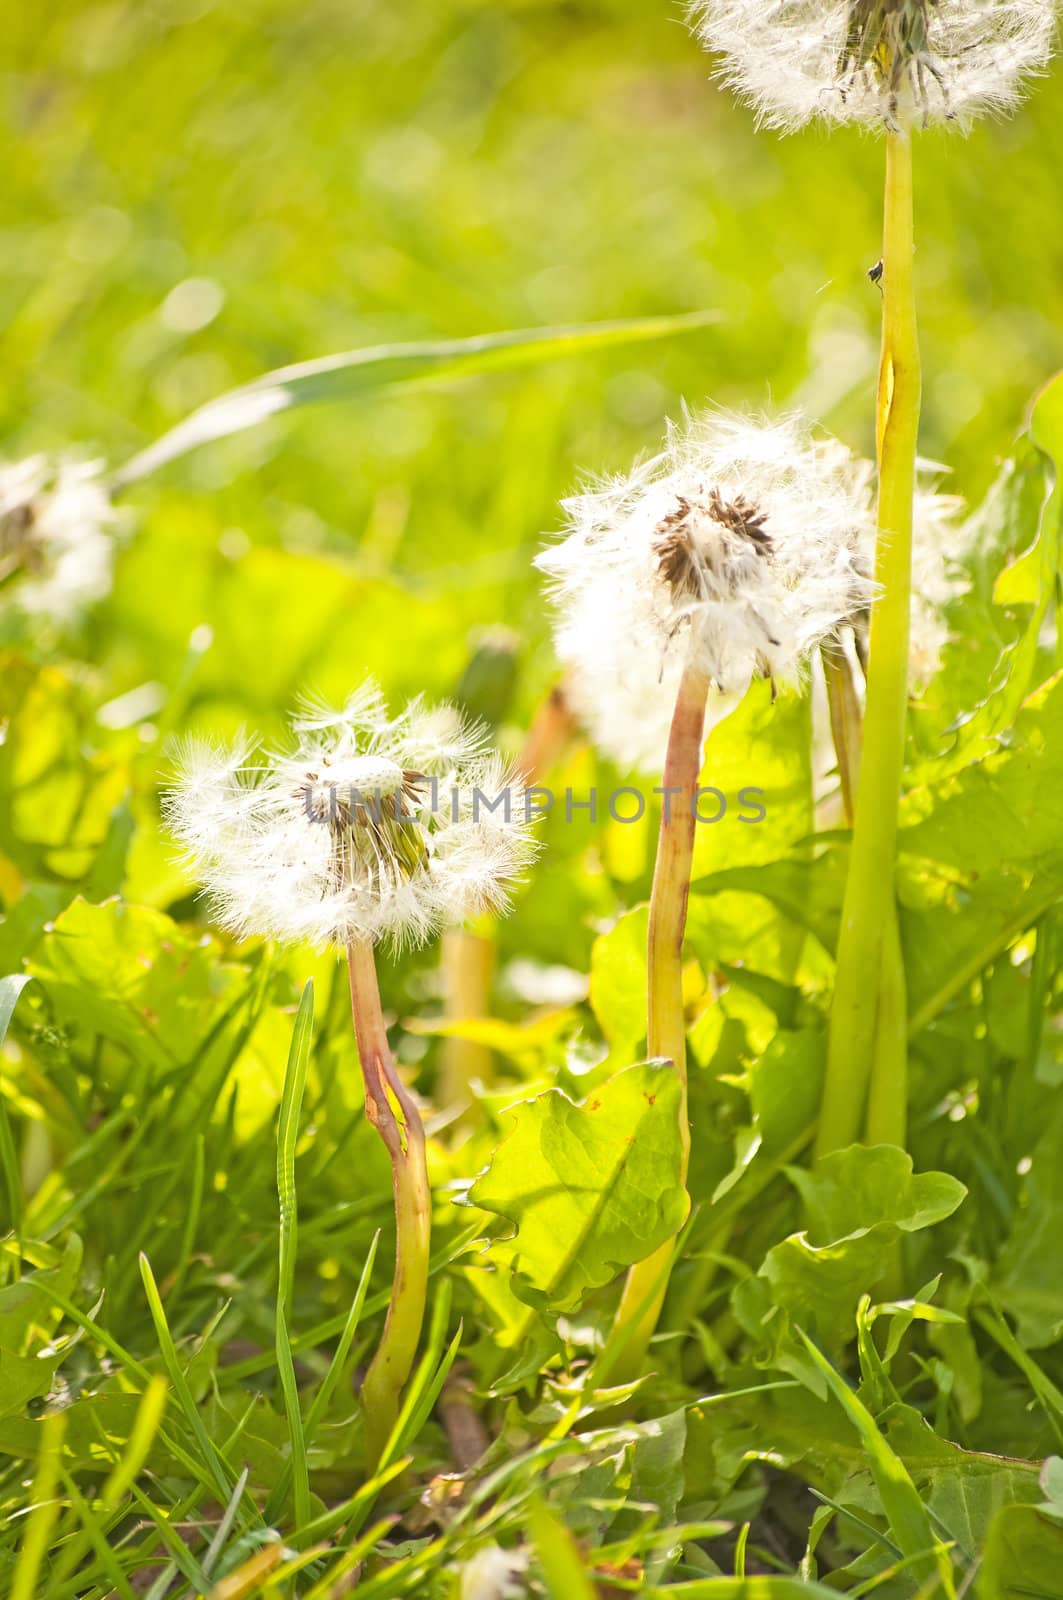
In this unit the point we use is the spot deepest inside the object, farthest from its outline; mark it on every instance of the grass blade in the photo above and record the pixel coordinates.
(216, 1470)
(904, 1508)
(387, 366)
(328, 1383)
(45, 1509)
(10, 989)
(287, 1137)
(559, 1558)
(119, 1481)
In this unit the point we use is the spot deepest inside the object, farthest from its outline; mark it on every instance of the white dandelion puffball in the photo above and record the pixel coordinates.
(891, 63)
(738, 549)
(370, 827)
(57, 536)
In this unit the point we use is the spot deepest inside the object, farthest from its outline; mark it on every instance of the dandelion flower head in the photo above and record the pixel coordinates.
(57, 535)
(368, 827)
(736, 550)
(892, 63)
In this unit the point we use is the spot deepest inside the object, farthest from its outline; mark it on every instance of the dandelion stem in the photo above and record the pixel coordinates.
(391, 1110)
(846, 721)
(859, 1046)
(887, 1101)
(647, 1282)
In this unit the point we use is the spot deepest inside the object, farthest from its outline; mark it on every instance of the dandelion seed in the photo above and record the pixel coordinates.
(370, 828)
(891, 63)
(57, 536)
(739, 549)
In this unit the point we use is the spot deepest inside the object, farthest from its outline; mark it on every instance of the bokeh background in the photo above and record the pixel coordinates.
(196, 192)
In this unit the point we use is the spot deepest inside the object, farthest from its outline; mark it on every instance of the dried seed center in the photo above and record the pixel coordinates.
(695, 556)
(370, 807)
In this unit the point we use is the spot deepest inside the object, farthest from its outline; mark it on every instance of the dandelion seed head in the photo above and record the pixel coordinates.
(891, 63)
(367, 826)
(57, 535)
(737, 549)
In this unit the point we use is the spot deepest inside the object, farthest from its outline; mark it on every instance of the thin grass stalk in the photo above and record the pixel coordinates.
(647, 1282)
(392, 1112)
(852, 1055)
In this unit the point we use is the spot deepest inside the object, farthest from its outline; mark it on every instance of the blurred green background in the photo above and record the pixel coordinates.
(196, 192)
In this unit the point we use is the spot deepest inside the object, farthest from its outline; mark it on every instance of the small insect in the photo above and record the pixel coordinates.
(875, 272)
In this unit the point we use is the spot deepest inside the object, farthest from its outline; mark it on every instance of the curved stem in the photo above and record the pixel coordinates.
(869, 890)
(391, 1110)
(647, 1282)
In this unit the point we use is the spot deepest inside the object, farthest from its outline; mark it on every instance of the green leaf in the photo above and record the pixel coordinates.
(589, 1188)
(858, 1202)
(1026, 1277)
(357, 372)
(852, 1191)
(132, 975)
(618, 980)
(1022, 1557)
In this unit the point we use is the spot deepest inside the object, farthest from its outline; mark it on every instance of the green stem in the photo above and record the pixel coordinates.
(869, 890)
(391, 1110)
(846, 721)
(888, 1099)
(647, 1282)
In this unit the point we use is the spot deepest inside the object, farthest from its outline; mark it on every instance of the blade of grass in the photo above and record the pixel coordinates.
(224, 1528)
(356, 372)
(904, 1508)
(45, 1509)
(329, 1381)
(334, 1325)
(287, 1137)
(125, 1470)
(216, 1468)
(559, 1557)
(332, 1582)
(181, 1555)
(10, 989)
(92, 1536)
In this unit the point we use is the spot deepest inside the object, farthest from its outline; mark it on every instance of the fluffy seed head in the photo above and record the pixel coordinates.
(891, 63)
(739, 548)
(57, 533)
(369, 826)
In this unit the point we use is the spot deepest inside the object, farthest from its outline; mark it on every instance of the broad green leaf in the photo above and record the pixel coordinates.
(758, 759)
(981, 856)
(963, 1489)
(618, 980)
(133, 976)
(358, 372)
(589, 1189)
(848, 1193)
(1022, 1557)
(1026, 1278)
(858, 1202)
